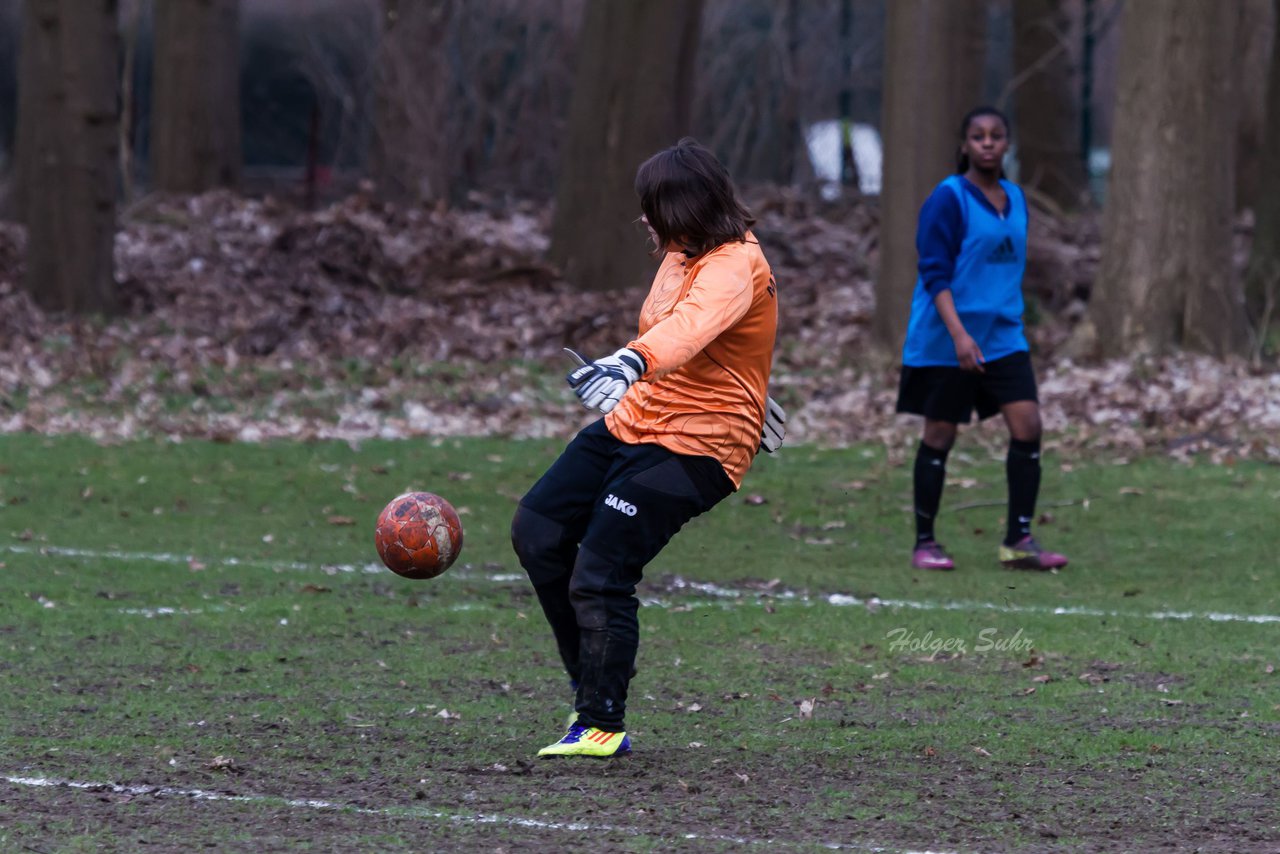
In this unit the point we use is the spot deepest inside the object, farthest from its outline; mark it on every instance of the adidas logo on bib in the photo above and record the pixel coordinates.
(1004, 253)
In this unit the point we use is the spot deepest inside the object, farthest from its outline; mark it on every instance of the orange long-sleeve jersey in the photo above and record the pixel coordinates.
(706, 333)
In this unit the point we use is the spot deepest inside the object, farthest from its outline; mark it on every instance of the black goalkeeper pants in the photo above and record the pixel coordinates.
(584, 534)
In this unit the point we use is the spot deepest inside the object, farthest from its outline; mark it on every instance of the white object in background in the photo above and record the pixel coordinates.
(824, 143)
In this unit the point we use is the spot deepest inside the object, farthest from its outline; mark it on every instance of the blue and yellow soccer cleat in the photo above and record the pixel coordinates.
(589, 741)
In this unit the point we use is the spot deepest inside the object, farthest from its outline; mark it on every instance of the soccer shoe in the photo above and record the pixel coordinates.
(931, 555)
(589, 741)
(1027, 554)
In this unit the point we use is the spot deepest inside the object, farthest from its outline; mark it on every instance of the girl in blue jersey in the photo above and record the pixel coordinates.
(965, 346)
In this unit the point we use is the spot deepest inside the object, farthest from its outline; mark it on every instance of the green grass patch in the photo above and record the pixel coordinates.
(199, 616)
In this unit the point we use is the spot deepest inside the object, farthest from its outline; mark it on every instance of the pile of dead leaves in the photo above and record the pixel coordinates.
(247, 320)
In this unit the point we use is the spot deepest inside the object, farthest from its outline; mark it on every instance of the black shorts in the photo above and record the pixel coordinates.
(942, 393)
(624, 502)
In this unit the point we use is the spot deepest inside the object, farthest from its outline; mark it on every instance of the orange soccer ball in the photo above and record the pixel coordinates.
(419, 535)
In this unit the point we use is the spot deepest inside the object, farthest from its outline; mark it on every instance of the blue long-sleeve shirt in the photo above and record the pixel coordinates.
(979, 254)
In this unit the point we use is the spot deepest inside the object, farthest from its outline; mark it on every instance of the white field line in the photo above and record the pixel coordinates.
(719, 595)
(418, 812)
(189, 560)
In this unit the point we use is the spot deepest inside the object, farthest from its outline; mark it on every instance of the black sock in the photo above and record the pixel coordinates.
(929, 477)
(1022, 470)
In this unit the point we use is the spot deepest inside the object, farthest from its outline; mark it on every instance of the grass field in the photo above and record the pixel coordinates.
(199, 653)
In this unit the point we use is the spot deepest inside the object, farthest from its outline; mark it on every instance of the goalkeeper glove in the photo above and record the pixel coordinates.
(775, 427)
(602, 383)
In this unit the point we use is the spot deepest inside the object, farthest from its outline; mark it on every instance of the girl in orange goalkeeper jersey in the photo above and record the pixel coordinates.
(686, 410)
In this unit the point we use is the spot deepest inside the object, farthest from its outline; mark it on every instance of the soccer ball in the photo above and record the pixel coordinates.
(419, 535)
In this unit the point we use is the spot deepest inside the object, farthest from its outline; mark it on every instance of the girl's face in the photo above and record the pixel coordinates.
(672, 246)
(986, 141)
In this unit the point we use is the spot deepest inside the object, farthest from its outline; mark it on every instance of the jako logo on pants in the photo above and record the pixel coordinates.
(621, 506)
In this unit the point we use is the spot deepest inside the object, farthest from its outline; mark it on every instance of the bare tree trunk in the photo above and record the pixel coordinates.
(10, 42)
(411, 159)
(1166, 275)
(632, 97)
(1045, 103)
(67, 163)
(767, 103)
(128, 102)
(792, 130)
(195, 125)
(1262, 279)
(1253, 54)
(934, 52)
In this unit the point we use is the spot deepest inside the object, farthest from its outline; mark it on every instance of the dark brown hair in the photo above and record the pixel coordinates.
(688, 197)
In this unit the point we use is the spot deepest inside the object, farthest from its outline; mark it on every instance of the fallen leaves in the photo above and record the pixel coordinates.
(270, 323)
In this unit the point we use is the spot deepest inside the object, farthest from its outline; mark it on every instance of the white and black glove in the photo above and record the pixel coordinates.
(775, 427)
(602, 383)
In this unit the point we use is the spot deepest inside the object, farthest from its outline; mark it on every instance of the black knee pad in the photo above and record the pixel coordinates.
(537, 541)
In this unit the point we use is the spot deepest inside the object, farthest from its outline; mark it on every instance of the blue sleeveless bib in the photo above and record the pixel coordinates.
(986, 285)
